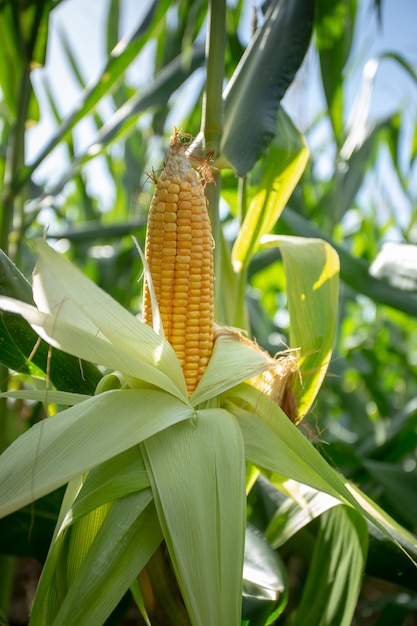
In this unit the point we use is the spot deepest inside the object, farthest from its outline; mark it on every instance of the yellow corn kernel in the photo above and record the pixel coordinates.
(179, 253)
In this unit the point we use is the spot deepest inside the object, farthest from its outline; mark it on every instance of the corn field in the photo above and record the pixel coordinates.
(208, 366)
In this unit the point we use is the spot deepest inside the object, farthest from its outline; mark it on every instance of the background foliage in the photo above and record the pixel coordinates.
(365, 419)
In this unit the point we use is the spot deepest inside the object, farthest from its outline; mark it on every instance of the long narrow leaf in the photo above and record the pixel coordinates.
(68, 444)
(59, 288)
(86, 345)
(283, 166)
(124, 543)
(260, 80)
(333, 583)
(274, 443)
(198, 480)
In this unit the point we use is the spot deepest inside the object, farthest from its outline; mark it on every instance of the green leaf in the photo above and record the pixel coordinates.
(272, 442)
(198, 479)
(231, 363)
(355, 271)
(71, 442)
(265, 584)
(335, 574)
(312, 277)
(120, 549)
(120, 476)
(304, 505)
(264, 73)
(285, 162)
(335, 21)
(19, 341)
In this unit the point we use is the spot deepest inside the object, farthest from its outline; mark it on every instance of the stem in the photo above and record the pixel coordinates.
(212, 116)
(14, 163)
(242, 198)
(7, 568)
(241, 316)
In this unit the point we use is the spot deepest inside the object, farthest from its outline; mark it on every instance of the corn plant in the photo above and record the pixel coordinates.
(163, 429)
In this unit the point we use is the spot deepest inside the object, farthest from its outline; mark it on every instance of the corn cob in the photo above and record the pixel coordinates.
(179, 253)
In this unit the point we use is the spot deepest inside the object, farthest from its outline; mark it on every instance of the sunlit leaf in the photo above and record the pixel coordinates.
(312, 277)
(198, 480)
(22, 349)
(285, 161)
(273, 442)
(59, 288)
(86, 345)
(231, 363)
(355, 271)
(68, 444)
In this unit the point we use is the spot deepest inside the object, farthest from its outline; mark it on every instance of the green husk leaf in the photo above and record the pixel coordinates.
(231, 363)
(118, 477)
(58, 287)
(123, 544)
(198, 480)
(273, 442)
(68, 444)
(87, 345)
